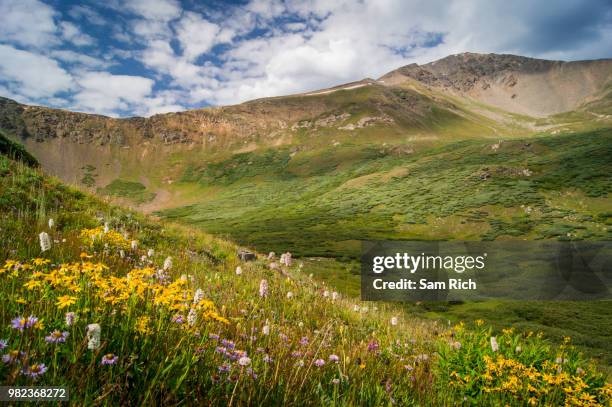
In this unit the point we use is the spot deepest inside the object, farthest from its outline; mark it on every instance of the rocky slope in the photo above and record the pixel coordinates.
(517, 84)
(461, 96)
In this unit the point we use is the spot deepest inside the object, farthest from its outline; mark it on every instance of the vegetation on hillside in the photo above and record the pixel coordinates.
(16, 151)
(125, 310)
(535, 188)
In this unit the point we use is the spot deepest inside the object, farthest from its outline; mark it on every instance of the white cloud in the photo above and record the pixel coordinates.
(266, 47)
(196, 35)
(80, 59)
(73, 34)
(105, 93)
(87, 13)
(27, 22)
(159, 10)
(32, 75)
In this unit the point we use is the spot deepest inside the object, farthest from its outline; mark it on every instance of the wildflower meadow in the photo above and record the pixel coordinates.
(126, 310)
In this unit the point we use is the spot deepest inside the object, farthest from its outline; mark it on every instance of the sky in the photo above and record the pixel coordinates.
(143, 57)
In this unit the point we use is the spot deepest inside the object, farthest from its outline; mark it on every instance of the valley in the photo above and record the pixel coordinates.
(471, 147)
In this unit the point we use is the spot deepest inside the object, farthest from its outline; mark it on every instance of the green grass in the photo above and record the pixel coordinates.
(132, 190)
(110, 282)
(16, 151)
(322, 202)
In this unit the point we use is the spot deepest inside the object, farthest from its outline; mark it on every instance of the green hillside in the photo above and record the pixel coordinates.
(323, 203)
(101, 300)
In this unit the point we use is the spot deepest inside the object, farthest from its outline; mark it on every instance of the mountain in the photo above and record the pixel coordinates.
(528, 86)
(478, 146)
(423, 152)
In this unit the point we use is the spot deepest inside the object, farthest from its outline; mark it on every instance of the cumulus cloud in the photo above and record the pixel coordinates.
(165, 55)
(31, 75)
(159, 10)
(196, 35)
(27, 22)
(73, 34)
(106, 93)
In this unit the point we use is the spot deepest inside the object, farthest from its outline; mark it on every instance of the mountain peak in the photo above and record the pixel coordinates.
(525, 85)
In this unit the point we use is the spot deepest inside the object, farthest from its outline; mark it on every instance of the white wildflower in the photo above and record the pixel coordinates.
(265, 330)
(393, 321)
(325, 294)
(271, 255)
(121, 253)
(244, 361)
(494, 345)
(106, 228)
(356, 308)
(93, 336)
(51, 223)
(289, 295)
(286, 259)
(168, 263)
(45, 241)
(192, 317)
(518, 349)
(238, 270)
(263, 288)
(134, 244)
(334, 296)
(198, 296)
(71, 318)
(150, 253)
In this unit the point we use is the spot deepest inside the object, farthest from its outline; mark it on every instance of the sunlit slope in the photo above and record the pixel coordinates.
(325, 203)
(126, 310)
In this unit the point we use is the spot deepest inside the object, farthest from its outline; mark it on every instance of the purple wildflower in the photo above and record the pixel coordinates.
(109, 359)
(304, 341)
(334, 358)
(319, 362)
(179, 319)
(214, 337)
(12, 356)
(34, 370)
(3, 344)
(228, 344)
(30, 322)
(18, 323)
(56, 337)
(220, 349)
(224, 368)
(373, 346)
(296, 354)
(267, 359)
(251, 373)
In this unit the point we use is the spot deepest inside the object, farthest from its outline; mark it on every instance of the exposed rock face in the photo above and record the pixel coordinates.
(518, 84)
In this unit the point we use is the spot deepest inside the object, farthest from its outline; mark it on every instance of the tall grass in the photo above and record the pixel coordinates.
(190, 330)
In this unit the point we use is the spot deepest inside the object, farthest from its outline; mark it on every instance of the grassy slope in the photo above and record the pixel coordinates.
(323, 203)
(337, 197)
(160, 361)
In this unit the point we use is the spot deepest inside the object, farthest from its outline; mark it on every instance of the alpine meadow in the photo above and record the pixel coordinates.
(211, 256)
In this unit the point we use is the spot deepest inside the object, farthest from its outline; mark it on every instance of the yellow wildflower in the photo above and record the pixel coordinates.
(65, 301)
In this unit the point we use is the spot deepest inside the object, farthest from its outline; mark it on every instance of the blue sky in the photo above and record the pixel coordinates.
(142, 57)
